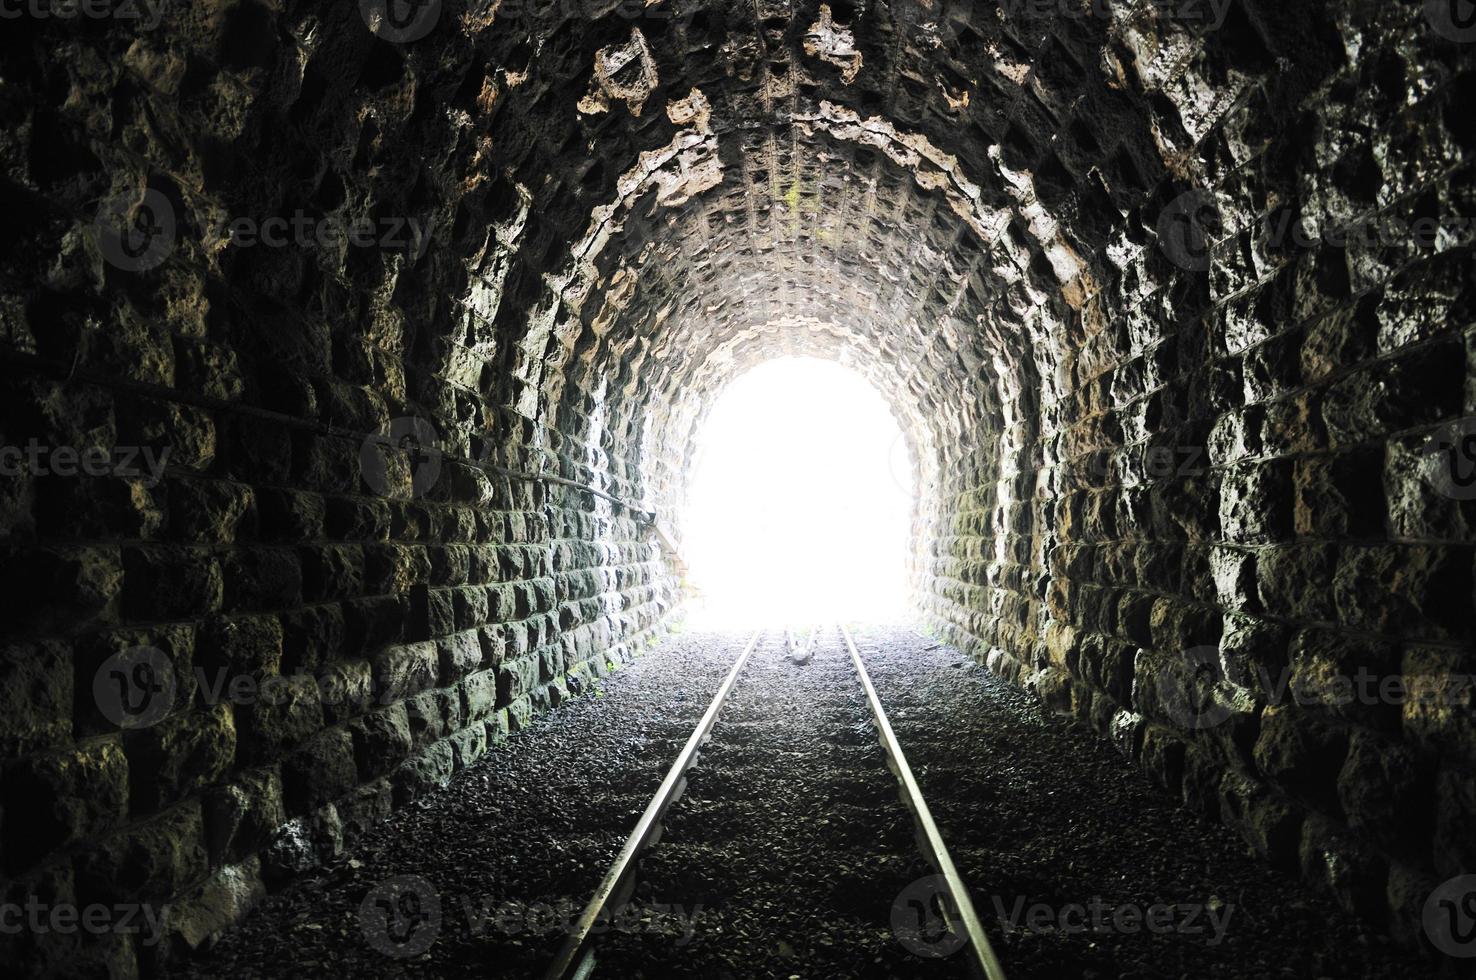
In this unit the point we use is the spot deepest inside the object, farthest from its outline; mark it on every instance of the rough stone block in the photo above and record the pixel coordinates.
(179, 756)
(319, 771)
(423, 773)
(1455, 815)
(1344, 674)
(272, 723)
(35, 697)
(289, 516)
(516, 678)
(219, 902)
(1387, 793)
(364, 807)
(402, 671)
(152, 860)
(428, 715)
(205, 511)
(61, 590)
(1253, 653)
(303, 843)
(382, 741)
(372, 623)
(1271, 826)
(331, 571)
(469, 745)
(241, 817)
(1439, 712)
(346, 689)
(1302, 755)
(1256, 502)
(162, 583)
(519, 713)
(1292, 581)
(460, 655)
(311, 636)
(1353, 875)
(479, 695)
(261, 578)
(62, 797)
(231, 648)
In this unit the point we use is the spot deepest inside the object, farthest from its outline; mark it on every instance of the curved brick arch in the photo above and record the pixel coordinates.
(1168, 442)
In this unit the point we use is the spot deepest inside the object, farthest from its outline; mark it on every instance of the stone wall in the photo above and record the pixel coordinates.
(255, 624)
(1223, 539)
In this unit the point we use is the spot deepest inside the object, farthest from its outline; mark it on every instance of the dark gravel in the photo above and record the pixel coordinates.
(1039, 811)
(792, 842)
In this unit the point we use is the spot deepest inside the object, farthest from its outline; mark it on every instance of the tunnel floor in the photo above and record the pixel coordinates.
(790, 855)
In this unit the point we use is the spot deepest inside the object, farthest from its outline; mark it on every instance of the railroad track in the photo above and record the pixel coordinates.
(946, 896)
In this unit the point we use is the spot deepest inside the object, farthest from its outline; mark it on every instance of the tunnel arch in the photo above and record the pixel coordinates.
(617, 207)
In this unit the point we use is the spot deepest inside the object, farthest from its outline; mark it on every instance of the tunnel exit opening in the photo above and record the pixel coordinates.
(801, 501)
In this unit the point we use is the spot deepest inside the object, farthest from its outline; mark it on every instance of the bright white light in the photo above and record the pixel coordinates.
(800, 503)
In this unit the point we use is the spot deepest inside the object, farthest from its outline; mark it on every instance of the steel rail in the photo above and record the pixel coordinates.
(576, 957)
(965, 920)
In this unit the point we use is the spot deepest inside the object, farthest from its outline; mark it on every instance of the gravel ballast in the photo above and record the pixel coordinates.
(790, 855)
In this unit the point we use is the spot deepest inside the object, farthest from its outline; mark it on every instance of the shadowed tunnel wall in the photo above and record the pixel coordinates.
(1168, 444)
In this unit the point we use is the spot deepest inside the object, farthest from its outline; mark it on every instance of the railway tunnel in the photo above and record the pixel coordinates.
(357, 355)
